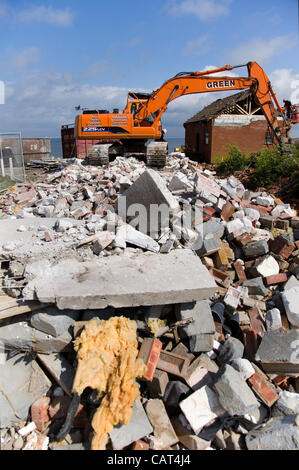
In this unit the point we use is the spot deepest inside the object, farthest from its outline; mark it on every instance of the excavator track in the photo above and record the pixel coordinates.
(156, 154)
(98, 155)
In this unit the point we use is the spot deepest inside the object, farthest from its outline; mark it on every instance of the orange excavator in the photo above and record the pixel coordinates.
(141, 118)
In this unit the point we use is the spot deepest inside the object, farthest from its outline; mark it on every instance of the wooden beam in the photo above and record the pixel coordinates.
(241, 109)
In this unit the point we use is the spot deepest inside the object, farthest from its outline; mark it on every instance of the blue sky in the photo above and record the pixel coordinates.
(56, 55)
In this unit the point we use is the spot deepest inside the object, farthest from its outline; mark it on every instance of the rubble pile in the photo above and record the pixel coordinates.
(202, 273)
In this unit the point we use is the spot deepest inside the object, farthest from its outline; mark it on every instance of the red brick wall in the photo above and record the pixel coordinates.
(250, 138)
(196, 148)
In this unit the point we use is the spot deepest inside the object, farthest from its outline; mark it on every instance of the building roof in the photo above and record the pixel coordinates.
(218, 107)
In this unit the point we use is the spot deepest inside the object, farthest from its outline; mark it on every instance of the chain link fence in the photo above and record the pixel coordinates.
(12, 167)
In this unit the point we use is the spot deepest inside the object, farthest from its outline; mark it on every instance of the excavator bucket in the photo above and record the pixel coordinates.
(156, 154)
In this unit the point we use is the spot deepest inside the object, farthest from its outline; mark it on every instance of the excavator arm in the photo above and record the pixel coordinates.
(203, 82)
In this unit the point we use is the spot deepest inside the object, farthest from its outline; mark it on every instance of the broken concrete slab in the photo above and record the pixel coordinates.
(290, 300)
(234, 394)
(255, 249)
(60, 369)
(138, 427)
(20, 335)
(201, 331)
(122, 281)
(52, 321)
(256, 286)
(164, 434)
(276, 434)
(136, 238)
(201, 408)
(22, 382)
(287, 403)
(148, 190)
(278, 352)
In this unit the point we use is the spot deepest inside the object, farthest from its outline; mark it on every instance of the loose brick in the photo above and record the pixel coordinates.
(263, 389)
(227, 211)
(140, 445)
(256, 321)
(276, 279)
(39, 413)
(149, 353)
(173, 363)
(240, 271)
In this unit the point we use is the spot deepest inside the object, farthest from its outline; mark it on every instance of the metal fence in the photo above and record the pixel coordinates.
(12, 167)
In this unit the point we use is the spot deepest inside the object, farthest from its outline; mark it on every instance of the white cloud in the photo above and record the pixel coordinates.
(202, 9)
(26, 57)
(46, 14)
(261, 50)
(198, 46)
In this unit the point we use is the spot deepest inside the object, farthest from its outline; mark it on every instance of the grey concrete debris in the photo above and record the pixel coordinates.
(288, 403)
(60, 369)
(276, 434)
(234, 394)
(54, 322)
(164, 435)
(231, 349)
(20, 335)
(273, 319)
(278, 352)
(148, 279)
(290, 300)
(138, 427)
(21, 383)
(244, 367)
(200, 332)
(255, 249)
(148, 190)
(256, 286)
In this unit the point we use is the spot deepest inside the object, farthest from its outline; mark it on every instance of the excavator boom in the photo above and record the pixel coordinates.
(141, 118)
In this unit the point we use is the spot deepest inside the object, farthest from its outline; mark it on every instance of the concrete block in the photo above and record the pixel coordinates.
(255, 249)
(277, 433)
(174, 393)
(158, 385)
(200, 332)
(234, 394)
(22, 382)
(138, 427)
(53, 321)
(287, 403)
(20, 335)
(290, 300)
(231, 349)
(201, 408)
(278, 352)
(149, 189)
(149, 279)
(136, 238)
(273, 319)
(252, 213)
(60, 369)
(209, 246)
(179, 182)
(256, 286)
(213, 227)
(292, 282)
(164, 434)
(267, 266)
(244, 367)
(266, 201)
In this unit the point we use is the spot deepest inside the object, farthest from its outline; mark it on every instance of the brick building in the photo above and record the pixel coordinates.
(236, 119)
